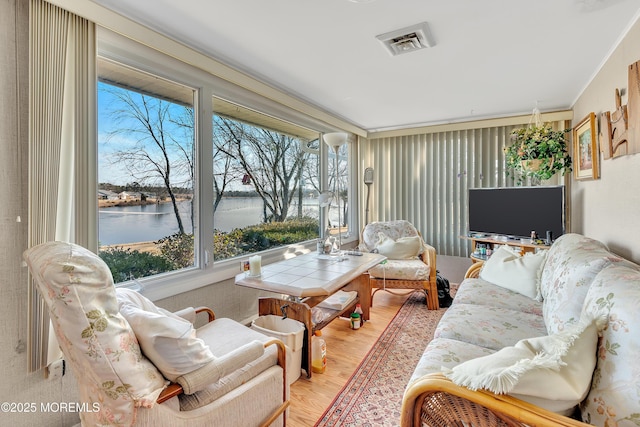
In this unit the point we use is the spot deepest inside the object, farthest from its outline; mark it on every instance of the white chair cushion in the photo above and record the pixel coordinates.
(405, 269)
(393, 229)
(229, 336)
(401, 248)
(553, 371)
(167, 339)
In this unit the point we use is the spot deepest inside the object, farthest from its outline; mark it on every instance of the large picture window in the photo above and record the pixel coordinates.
(146, 181)
(188, 185)
(265, 181)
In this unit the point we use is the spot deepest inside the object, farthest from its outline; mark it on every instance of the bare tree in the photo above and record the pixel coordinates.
(162, 144)
(273, 162)
(225, 168)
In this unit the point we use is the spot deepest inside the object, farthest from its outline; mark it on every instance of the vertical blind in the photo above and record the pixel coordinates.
(424, 178)
(62, 189)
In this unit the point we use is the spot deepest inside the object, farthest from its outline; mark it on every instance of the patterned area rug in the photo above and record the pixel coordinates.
(373, 394)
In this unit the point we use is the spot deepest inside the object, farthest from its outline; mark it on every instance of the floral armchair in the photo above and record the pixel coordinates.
(410, 264)
(138, 364)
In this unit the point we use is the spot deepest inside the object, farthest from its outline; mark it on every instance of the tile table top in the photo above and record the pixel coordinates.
(310, 274)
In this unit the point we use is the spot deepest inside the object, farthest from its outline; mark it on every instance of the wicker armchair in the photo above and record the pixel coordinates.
(435, 401)
(418, 273)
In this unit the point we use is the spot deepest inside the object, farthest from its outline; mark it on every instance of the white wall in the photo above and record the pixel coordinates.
(608, 209)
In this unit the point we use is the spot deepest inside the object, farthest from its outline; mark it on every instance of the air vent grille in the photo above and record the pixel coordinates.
(407, 39)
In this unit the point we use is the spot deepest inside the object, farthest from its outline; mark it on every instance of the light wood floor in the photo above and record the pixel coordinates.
(345, 349)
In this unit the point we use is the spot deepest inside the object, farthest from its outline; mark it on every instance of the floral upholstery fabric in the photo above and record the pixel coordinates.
(405, 269)
(486, 326)
(614, 399)
(392, 229)
(480, 292)
(96, 340)
(446, 353)
(580, 277)
(572, 263)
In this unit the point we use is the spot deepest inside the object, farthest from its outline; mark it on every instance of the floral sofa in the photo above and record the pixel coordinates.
(543, 339)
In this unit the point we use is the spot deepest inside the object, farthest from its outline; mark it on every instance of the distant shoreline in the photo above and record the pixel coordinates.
(121, 203)
(149, 247)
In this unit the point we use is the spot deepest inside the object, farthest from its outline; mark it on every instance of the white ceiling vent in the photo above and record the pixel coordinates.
(407, 39)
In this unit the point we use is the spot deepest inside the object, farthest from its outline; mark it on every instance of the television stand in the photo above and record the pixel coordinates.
(490, 241)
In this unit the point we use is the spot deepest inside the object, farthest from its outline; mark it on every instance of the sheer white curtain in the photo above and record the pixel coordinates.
(424, 178)
(62, 184)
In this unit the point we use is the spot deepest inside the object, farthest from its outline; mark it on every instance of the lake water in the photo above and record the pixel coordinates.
(130, 224)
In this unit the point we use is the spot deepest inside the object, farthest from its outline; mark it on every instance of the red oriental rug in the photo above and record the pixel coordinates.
(373, 394)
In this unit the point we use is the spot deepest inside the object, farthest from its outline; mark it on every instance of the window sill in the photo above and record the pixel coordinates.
(171, 284)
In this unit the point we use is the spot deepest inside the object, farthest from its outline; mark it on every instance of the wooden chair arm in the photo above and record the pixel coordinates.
(428, 256)
(474, 270)
(172, 390)
(436, 400)
(212, 315)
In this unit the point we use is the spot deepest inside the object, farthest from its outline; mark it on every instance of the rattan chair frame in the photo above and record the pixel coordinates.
(435, 401)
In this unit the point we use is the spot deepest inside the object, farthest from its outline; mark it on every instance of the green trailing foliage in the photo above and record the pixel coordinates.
(542, 143)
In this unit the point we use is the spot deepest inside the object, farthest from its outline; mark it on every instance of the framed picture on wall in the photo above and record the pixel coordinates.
(585, 148)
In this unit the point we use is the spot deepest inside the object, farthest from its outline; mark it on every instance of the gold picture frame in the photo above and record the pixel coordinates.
(585, 149)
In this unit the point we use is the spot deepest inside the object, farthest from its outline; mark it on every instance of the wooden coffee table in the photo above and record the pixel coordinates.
(309, 279)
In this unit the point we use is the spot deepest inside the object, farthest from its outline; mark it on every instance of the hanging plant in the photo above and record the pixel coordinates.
(538, 151)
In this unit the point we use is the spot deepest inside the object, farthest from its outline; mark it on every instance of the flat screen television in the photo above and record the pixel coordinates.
(516, 211)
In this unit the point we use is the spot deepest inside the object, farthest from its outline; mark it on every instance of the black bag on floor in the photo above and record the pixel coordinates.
(444, 298)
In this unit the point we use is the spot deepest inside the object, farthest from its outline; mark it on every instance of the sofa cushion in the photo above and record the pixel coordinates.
(167, 339)
(486, 326)
(480, 292)
(572, 263)
(520, 273)
(614, 398)
(445, 353)
(553, 371)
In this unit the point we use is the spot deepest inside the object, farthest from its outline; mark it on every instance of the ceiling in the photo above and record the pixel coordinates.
(491, 58)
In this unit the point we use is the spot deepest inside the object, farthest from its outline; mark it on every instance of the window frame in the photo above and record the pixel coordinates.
(206, 271)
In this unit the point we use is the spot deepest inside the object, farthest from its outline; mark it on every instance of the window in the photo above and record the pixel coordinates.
(265, 181)
(146, 176)
(195, 172)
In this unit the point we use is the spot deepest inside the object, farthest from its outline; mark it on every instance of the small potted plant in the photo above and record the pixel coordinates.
(538, 151)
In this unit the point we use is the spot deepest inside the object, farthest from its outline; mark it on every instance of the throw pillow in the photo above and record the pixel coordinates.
(402, 248)
(552, 371)
(507, 269)
(167, 339)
